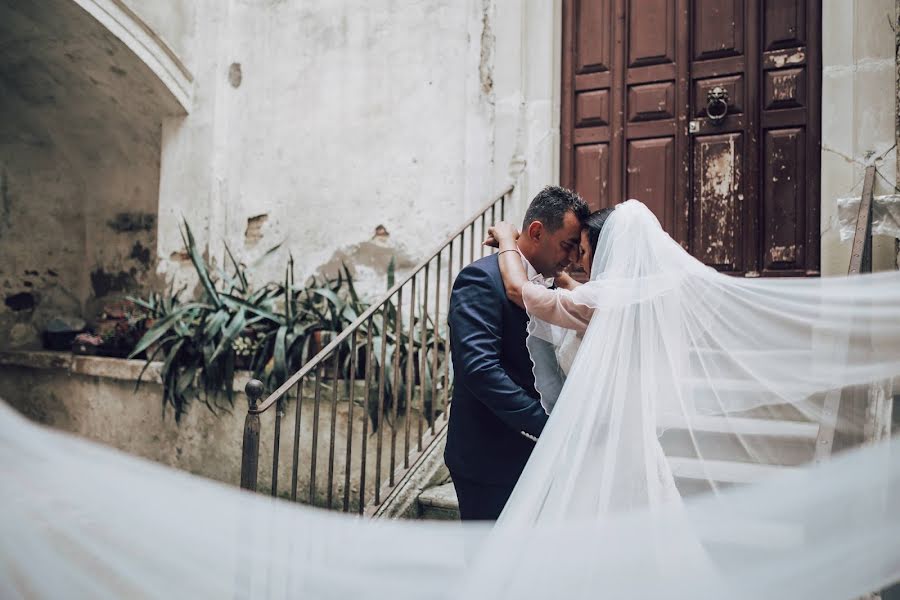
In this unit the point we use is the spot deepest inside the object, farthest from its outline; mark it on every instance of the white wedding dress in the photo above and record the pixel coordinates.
(668, 345)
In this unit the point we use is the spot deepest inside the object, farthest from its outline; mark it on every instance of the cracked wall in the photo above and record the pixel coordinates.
(859, 119)
(79, 168)
(346, 116)
(528, 61)
(41, 234)
(341, 117)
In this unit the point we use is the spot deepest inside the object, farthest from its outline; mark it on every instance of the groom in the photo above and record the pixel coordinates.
(496, 413)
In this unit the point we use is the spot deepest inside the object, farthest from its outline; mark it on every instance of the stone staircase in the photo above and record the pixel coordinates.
(726, 460)
(425, 491)
(793, 439)
(731, 454)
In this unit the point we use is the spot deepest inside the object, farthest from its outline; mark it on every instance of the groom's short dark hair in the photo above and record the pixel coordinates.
(551, 205)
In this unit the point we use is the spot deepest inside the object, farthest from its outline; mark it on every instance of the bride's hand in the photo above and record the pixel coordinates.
(500, 233)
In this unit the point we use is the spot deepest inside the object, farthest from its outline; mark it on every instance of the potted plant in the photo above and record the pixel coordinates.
(60, 332)
(87, 344)
(121, 325)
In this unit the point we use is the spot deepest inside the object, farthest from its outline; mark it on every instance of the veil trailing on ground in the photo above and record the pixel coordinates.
(682, 373)
(82, 521)
(687, 379)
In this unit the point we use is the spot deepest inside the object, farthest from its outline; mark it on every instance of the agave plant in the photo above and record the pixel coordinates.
(198, 341)
(306, 319)
(395, 391)
(195, 340)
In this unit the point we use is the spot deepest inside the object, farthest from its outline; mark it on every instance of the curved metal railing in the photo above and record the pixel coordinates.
(394, 362)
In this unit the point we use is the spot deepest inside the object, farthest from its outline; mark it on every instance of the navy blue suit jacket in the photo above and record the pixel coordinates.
(494, 399)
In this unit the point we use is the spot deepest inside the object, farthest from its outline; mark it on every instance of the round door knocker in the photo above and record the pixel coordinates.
(716, 104)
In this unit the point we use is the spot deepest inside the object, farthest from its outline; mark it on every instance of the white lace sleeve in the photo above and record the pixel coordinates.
(555, 328)
(556, 307)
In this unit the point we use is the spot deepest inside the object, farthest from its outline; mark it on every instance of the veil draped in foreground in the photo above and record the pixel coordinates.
(82, 521)
(680, 368)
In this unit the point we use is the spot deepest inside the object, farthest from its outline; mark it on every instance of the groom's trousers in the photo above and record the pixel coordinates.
(480, 501)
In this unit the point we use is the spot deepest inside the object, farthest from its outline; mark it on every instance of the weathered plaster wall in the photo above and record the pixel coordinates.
(79, 158)
(314, 123)
(324, 120)
(526, 75)
(859, 115)
(41, 243)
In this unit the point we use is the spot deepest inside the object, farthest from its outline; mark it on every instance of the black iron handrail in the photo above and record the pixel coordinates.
(422, 370)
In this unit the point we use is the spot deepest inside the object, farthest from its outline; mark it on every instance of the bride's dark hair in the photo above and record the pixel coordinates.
(594, 224)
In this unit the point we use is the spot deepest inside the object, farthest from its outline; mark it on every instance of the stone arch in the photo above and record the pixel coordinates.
(147, 46)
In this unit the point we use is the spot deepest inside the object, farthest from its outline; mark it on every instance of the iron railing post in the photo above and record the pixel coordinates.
(250, 451)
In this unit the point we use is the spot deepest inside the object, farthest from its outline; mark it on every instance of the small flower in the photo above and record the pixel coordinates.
(244, 346)
(88, 339)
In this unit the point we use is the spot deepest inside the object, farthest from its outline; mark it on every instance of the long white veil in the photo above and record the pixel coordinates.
(82, 521)
(687, 374)
(672, 348)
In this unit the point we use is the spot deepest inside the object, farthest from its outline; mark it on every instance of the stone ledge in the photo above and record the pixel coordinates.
(95, 366)
(36, 359)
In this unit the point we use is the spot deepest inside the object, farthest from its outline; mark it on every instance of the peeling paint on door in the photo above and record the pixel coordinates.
(717, 194)
(786, 58)
(785, 254)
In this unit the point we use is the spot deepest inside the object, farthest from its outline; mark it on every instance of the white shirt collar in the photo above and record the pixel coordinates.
(532, 274)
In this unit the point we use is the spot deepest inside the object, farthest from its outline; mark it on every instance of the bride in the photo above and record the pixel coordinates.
(656, 345)
(608, 448)
(668, 364)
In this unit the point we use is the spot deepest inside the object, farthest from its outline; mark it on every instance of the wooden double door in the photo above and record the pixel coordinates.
(708, 111)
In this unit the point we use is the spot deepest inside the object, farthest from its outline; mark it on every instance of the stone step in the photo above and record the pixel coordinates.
(726, 460)
(721, 471)
(754, 440)
(439, 503)
(797, 430)
(692, 477)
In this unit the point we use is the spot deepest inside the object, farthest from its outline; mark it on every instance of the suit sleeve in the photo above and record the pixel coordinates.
(476, 320)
